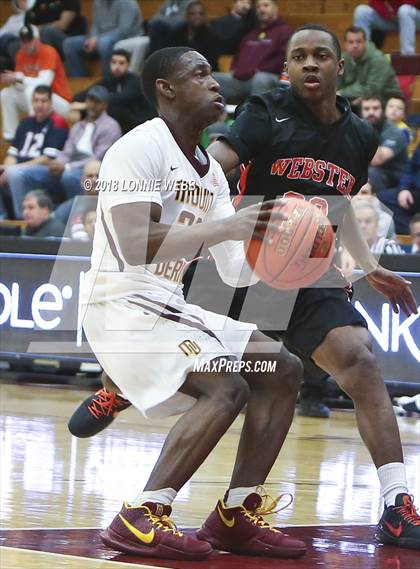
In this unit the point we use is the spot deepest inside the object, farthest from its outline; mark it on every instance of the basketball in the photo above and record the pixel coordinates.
(300, 253)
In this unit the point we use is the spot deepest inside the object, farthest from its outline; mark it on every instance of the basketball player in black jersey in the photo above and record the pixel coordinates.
(306, 139)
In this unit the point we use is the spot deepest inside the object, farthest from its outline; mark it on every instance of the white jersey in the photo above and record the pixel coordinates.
(148, 165)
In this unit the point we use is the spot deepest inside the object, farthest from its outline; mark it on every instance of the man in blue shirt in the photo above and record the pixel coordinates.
(391, 158)
(404, 200)
(37, 141)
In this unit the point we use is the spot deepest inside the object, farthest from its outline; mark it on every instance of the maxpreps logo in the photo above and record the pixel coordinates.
(303, 168)
(46, 303)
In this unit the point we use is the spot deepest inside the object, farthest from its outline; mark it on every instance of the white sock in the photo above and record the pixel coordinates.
(236, 496)
(164, 496)
(393, 480)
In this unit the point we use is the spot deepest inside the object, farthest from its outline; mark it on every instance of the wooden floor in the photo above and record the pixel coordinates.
(50, 480)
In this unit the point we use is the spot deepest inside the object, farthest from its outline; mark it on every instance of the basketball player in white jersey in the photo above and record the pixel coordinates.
(162, 198)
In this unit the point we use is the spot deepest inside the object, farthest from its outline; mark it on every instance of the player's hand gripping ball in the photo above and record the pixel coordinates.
(297, 255)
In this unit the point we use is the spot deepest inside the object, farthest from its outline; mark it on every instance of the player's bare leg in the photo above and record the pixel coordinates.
(108, 384)
(236, 524)
(346, 353)
(269, 411)
(220, 397)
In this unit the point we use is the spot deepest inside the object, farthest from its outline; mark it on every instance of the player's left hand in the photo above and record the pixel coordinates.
(395, 288)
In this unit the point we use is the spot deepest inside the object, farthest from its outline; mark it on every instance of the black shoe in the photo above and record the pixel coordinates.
(400, 524)
(312, 408)
(96, 413)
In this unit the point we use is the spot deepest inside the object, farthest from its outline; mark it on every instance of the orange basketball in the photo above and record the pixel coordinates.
(300, 253)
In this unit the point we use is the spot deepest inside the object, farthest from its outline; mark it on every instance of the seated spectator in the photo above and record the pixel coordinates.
(386, 227)
(395, 113)
(127, 104)
(197, 34)
(232, 27)
(9, 34)
(38, 140)
(56, 20)
(260, 59)
(388, 16)
(112, 20)
(37, 208)
(415, 234)
(88, 139)
(367, 71)
(138, 48)
(404, 200)
(170, 15)
(390, 159)
(89, 220)
(36, 64)
(71, 211)
(368, 220)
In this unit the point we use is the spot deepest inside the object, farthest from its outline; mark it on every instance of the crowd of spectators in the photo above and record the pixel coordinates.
(58, 139)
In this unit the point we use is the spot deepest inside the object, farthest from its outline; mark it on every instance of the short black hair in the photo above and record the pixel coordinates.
(318, 28)
(355, 30)
(195, 3)
(122, 52)
(43, 90)
(42, 198)
(160, 65)
(400, 98)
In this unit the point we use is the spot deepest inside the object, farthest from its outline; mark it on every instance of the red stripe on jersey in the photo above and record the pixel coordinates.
(243, 178)
(58, 121)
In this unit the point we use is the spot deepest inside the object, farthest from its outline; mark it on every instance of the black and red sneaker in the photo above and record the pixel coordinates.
(400, 524)
(96, 413)
(242, 529)
(147, 530)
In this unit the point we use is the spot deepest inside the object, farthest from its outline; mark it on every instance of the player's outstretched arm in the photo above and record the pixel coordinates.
(391, 285)
(224, 154)
(144, 240)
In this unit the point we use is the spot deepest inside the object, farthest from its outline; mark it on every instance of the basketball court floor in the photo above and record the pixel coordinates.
(56, 492)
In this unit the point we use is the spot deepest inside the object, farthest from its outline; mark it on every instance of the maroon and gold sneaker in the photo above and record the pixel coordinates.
(96, 413)
(147, 530)
(243, 530)
(400, 524)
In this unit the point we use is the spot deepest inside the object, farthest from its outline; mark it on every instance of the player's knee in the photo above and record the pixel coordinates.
(233, 394)
(358, 359)
(280, 374)
(290, 371)
(362, 370)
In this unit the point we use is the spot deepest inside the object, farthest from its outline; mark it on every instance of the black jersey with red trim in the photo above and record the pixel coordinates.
(286, 149)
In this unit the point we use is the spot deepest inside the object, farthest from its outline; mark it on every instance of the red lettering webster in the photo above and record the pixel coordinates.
(301, 168)
(280, 166)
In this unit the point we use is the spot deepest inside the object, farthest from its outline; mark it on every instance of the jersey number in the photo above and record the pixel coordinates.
(33, 144)
(315, 200)
(188, 218)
